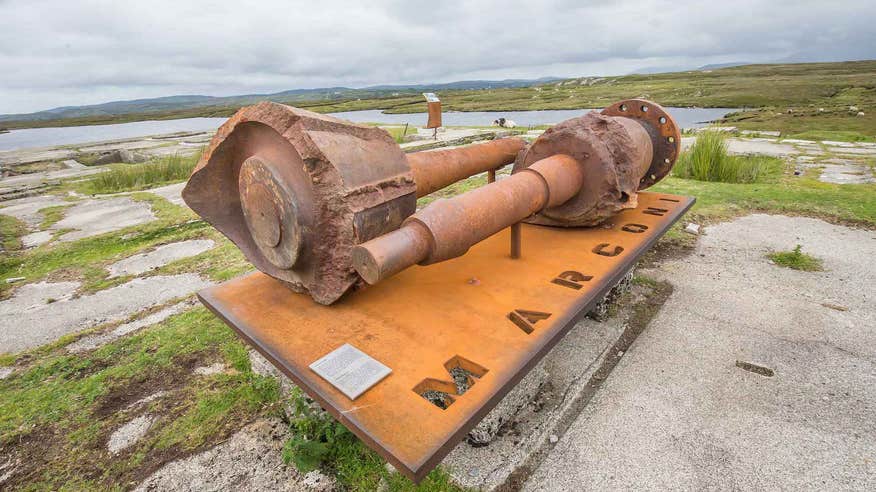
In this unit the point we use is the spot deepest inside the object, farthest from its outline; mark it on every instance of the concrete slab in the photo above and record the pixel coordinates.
(251, 459)
(838, 144)
(130, 433)
(677, 412)
(846, 173)
(12, 158)
(171, 193)
(74, 164)
(750, 146)
(28, 209)
(852, 150)
(35, 239)
(35, 179)
(563, 378)
(210, 370)
(94, 341)
(45, 311)
(160, 256)
(183, 150)
(799, 142)
(126, 145)
(93, 217)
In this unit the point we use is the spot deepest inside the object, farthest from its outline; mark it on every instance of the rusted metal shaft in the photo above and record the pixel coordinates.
(447, 228)
(437, 169)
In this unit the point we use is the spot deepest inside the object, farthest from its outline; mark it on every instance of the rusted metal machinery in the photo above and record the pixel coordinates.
(578, 173)
(323, 206)
(296, 190)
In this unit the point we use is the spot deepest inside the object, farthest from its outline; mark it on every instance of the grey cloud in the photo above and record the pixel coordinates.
(76, 52)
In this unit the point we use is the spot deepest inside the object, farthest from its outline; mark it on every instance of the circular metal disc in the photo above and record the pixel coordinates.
(665, 135)
(270, 212)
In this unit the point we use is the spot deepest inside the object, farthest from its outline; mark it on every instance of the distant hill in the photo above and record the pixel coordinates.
(716, 66)
(184, 102)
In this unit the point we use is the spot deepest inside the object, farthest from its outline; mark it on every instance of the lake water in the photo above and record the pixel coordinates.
(50, 137)
(685, 117)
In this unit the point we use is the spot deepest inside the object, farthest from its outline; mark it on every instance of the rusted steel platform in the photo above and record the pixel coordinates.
(490, 315)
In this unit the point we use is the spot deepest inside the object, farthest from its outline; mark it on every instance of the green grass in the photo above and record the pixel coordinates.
(319, 441)
(791, 195)
(86, 259)
(708, 160)
(61, 409)
(796, 259)
(398, 133)
(11, 230)
(52, 215)
(770, 89)
(131, 177)
(833, 135)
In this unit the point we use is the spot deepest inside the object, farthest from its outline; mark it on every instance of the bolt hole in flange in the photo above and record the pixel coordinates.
(644, 108)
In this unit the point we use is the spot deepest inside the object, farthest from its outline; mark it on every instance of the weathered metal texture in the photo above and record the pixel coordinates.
(483, 312)
(619, 155)
(434, 120)
(664, 131)
(437, 169)
(296, 190)
(447, 228)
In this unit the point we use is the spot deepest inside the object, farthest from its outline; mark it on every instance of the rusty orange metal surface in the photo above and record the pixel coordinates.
(493, 316)
(296, 190)
(437, 169)
(434, 120)
(449, 226)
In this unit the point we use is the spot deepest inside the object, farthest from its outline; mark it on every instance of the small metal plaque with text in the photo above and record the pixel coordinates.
(350, 370)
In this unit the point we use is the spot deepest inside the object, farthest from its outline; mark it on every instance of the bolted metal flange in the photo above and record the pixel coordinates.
(661, 127)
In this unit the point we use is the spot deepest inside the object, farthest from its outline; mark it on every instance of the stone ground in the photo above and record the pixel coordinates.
(249, 460)
(678, 413)
(45, 311)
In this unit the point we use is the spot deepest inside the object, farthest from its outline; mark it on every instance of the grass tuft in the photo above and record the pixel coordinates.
(398, 133)
(11, 230)
(708, 160)
(319, 441)
(132, 177)
(796, 260)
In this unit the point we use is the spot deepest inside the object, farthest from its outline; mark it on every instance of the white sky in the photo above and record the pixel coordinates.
(69, 52)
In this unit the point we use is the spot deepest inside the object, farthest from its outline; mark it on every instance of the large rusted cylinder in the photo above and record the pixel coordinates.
(438, 169)
(297, 190)
(627, 147)
(447, 228)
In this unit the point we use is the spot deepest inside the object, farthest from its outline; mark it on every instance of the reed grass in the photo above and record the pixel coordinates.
(709, 160)
(132, 177)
